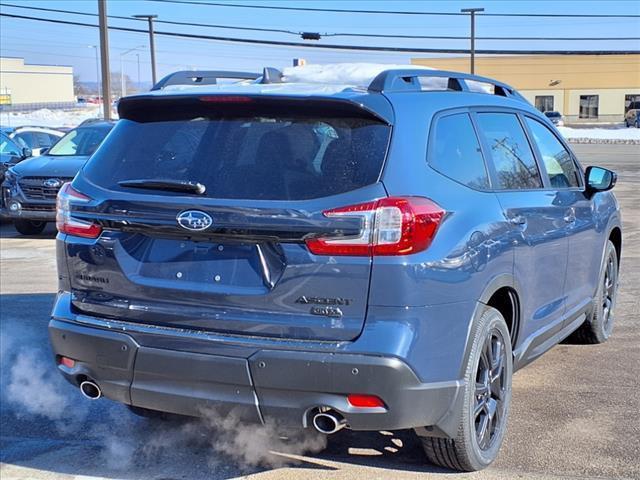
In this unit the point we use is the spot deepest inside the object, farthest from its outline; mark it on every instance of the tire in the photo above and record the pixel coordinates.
(470, 450)
(29, 227)
(598, 326)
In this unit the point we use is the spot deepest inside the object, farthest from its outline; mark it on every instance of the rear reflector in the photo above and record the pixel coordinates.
(67, 362)
(65, 223)
(365, 401)
(390, 226)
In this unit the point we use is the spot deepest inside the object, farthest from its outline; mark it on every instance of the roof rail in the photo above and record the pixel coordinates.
(201, 77)
(403, 80)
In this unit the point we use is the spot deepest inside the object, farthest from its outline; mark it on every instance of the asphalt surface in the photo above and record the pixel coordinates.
(575, 411)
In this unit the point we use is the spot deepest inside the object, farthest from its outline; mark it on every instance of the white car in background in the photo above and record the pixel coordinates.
(38, 139)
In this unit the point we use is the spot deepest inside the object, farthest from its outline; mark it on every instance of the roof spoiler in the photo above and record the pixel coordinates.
(201, 77)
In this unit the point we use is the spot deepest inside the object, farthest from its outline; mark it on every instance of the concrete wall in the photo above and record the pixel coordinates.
(35, 84)
(565, 77)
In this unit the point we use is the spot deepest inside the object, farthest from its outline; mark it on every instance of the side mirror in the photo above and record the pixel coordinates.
(600, 179)
(26, 152)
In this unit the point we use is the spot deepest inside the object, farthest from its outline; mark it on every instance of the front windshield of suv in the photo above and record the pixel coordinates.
(81, 141)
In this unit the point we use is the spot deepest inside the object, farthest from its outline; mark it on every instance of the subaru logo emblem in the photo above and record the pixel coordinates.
(52, 183)
(194, 220)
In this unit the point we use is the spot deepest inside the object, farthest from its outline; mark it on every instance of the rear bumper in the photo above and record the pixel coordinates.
(259, 384)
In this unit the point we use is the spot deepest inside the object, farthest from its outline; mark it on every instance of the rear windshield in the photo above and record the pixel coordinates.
(259, 158)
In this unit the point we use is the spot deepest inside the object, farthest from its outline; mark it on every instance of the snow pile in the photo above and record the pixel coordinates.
(360, 74)
(49, 118)
(601, 135)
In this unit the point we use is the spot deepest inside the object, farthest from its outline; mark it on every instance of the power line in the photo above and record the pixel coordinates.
(290, 32)
(168, 22)
(398, 12)
(332, 46)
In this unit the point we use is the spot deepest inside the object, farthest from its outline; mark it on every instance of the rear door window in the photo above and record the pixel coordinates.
(456, 151)
(510, 153)
(262, 157)
(560, 167)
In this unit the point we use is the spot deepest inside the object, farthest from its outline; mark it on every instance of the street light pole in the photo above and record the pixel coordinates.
(104, 55)
(123, 84)
(152, 46)
(473, 12)
(95, 47)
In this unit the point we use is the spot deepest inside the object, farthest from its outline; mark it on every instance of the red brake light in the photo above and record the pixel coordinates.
(391, 226)
(65, 223)
(67, 362)
(226, 99)
(365, 401)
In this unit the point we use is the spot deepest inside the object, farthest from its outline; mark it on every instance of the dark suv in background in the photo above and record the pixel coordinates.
(30, 187)
(372, 257)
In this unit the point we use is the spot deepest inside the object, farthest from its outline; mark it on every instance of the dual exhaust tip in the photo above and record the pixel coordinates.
(328, 421)
(90, 390)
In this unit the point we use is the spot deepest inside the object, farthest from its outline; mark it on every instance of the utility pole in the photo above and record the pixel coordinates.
(152, 46)
(473, 12)
(104, 56)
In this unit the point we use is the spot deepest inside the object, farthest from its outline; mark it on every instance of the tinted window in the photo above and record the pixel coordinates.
(557, 161)
(81, 141)
(263, 157)
(510, 151)
(27, 138)
(456, 152)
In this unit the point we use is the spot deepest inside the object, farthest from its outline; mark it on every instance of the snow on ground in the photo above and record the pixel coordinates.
(49, 118)
(600, 133)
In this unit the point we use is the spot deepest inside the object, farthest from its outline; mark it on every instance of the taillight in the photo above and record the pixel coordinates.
(65, 223)
(365, 401)
(390, 226)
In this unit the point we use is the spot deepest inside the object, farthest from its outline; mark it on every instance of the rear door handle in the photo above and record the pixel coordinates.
(517, 220)
(570, 216)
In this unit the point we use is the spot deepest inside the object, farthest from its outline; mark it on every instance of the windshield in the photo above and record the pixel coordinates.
(11, 147)
(262, 157)
(81, 141)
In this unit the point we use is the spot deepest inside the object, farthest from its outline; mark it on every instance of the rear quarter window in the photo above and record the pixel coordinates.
(455, 151)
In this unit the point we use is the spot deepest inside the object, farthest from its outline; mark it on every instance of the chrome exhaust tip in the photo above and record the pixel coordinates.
(328, 422)
(90, 390)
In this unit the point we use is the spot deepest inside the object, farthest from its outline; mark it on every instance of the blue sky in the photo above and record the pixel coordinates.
(69, 45)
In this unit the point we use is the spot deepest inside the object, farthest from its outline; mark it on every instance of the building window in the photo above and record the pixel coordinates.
(588, 106)
(544, 103)
(631, 102)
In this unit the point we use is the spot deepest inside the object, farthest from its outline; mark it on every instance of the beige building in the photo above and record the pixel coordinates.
(584, 88)
(34, 85)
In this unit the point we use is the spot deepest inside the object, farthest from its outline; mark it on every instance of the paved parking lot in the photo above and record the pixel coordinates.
(575, 411)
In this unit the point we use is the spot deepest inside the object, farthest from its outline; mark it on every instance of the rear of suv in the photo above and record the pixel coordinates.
(322, 256)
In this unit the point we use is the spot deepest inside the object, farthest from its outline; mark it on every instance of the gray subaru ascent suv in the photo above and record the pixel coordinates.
(374, 257)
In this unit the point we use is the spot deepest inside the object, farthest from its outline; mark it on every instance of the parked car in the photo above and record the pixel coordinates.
(632, 117)
(555, 117)
(38, 139)
(12, 151)
(30, 187)
(372, 258)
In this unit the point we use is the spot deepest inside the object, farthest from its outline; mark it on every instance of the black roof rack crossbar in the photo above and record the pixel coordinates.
(201, 77)
(402, 80)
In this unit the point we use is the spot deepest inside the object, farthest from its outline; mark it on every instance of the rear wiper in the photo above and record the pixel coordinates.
(168, 185)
